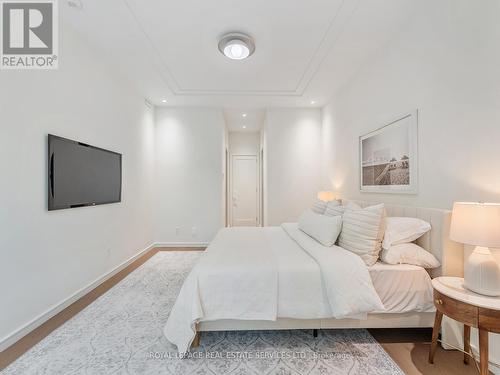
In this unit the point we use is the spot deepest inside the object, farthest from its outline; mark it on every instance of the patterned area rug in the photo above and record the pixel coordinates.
(121, 333)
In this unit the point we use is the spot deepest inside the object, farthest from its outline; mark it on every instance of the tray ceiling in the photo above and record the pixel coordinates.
(305, 50)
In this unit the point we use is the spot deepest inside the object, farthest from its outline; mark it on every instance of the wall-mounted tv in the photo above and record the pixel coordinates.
(82, 175)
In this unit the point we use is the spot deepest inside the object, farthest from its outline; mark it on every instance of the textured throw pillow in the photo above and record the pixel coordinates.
(323, 229)
(319, 207)
(409, 253)
(363, 230)
(334, 208)
(400, 230)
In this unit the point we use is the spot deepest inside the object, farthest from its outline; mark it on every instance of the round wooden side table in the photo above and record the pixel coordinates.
(471, 309)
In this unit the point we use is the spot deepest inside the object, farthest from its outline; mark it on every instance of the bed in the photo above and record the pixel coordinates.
(279, 278)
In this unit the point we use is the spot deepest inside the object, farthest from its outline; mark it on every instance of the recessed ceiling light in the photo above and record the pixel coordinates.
(236, 46)
(244, 127)
(313, 102)
(77, 4)
(244, 115)
(164, 100)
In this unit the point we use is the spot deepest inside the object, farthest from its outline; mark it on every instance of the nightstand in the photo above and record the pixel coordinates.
(471, 309)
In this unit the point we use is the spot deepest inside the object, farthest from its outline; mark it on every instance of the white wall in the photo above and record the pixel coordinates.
(244, 143)
(189, 174)
(263, 148)
(225, 180)
(45, 257)
(293, 162)
(446, 64)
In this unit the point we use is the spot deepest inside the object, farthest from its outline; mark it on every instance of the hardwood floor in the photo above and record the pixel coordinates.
(410, 350)
(408, 347)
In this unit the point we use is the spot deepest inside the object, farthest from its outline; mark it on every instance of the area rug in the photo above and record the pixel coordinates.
(121, 333)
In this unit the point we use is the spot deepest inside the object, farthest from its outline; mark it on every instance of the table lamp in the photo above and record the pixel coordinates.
(326, 196)
(478, 224)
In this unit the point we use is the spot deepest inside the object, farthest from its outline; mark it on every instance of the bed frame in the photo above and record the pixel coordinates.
(437, 242)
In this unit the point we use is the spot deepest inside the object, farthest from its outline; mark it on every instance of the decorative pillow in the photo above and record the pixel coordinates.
(324, 229)
(400, 230)
(319, 206)
(334, 208)
(363, 230)
(409, 253)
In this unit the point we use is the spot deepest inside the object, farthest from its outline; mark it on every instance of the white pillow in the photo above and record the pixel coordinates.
(334, 208)
(319, 206)
(363, 230)
(400, 230)
(324, 229)
(409, 253)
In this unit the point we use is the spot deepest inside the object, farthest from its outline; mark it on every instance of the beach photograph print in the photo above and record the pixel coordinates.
(388, 157)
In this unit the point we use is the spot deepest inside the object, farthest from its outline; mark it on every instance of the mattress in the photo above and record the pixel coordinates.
(402, 287)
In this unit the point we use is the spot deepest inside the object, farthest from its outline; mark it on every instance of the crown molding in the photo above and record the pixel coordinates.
(335, 27)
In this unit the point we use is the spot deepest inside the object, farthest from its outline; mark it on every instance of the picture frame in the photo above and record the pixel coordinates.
(388, 157)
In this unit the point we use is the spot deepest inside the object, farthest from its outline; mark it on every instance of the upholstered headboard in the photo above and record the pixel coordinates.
(436, 241)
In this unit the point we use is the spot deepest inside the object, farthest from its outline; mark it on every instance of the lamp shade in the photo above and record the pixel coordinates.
(326, 196)
(476, 224)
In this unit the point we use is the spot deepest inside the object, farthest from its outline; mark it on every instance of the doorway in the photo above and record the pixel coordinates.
(244, 180)
(244, 191)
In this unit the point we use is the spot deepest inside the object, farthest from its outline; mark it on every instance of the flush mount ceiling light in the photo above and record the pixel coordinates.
(236, 46)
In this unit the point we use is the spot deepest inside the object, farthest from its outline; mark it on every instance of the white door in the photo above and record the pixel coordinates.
(244, 191)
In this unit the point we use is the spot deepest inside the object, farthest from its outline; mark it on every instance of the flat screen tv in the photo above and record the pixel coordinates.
(82, 175)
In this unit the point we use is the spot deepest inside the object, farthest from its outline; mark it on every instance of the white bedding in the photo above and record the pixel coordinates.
(263, 274)
(234, 279)
(342, 273)
(402, 287)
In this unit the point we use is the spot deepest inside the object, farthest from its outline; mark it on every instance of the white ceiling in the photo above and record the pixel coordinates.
(244, 119)
(305, 50)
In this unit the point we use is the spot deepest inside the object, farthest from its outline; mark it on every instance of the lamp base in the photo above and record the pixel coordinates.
(482, 273)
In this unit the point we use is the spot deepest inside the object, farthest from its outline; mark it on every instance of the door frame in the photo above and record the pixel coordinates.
(230, 190)
(226, 187)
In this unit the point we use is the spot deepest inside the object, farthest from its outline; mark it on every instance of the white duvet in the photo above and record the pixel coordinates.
(270, 273)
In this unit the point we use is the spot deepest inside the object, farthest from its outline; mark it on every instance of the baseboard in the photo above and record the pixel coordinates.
(12, 338)
(181, 244)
